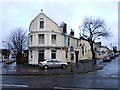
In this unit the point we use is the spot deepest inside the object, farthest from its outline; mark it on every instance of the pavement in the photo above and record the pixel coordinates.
(32, 70)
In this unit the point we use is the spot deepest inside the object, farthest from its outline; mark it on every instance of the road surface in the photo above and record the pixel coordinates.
(108, 77)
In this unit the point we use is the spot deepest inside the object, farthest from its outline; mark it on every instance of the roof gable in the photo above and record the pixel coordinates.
(43, 15)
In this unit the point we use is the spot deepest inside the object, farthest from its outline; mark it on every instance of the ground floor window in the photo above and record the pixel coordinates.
(72, 56)
(53, 54)
(66, 54)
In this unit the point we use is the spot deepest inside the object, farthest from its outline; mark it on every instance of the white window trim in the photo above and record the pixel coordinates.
(31, 54)
(31, 40)
(41, 29)
(55, 54)
(55, 41)
(38, 39)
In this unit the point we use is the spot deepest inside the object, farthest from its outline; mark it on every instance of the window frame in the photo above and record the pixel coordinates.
(77, 43)
(53, 39)
(31, 39)
(41, 21)
(41, 38)
(83, 53)
(68, 41)
(31, 54)
(53, 53)
(66, 54)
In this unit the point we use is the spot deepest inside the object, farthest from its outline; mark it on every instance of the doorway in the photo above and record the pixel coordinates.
(41, 55)
(76, 55)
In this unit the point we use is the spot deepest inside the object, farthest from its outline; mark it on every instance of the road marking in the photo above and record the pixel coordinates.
(13, 85)
(38, 75)
(65, 88)
(76, 88)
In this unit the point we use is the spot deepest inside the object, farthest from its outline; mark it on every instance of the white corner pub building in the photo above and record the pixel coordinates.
(47, 40)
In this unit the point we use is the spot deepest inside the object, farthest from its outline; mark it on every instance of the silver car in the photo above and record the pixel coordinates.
(48, 63)
(106, 58)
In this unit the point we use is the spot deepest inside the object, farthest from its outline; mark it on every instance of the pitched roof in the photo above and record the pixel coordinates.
(83, 38)
(4, 51)
(69, 35)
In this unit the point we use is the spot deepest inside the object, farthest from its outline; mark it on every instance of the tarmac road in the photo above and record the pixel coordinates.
(108, 77)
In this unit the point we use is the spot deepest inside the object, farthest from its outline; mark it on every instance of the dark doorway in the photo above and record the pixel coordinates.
(41, 55)
(76, 55)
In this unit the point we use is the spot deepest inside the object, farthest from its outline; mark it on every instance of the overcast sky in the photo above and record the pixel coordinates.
(20, 14)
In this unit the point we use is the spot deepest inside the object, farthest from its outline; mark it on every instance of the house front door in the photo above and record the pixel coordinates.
(41, 55)
(76, 55)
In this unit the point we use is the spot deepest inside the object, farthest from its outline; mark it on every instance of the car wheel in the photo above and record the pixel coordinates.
(63, 66)
(45, 67)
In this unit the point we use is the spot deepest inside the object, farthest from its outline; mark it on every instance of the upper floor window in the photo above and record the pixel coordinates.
(53, 39)
(41, 23)
(41, 38)
(68, 41)
(31, 39)
(31, 54)
(83, 50)
(77, 43)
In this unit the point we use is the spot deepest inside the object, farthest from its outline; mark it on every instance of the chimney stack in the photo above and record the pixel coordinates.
(65, 28)
(72, 32)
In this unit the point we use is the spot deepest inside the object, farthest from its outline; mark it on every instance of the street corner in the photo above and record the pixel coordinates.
(49, 72)
(100, 66)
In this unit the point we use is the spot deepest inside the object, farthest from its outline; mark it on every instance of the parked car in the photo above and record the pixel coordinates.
(49, 63)
(116, 54)
(4, 60)
(11, 60)
(112, 56)
(106, 58)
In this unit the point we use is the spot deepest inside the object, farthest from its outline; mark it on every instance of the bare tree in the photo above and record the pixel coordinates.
(93, 29)
(17, 42)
